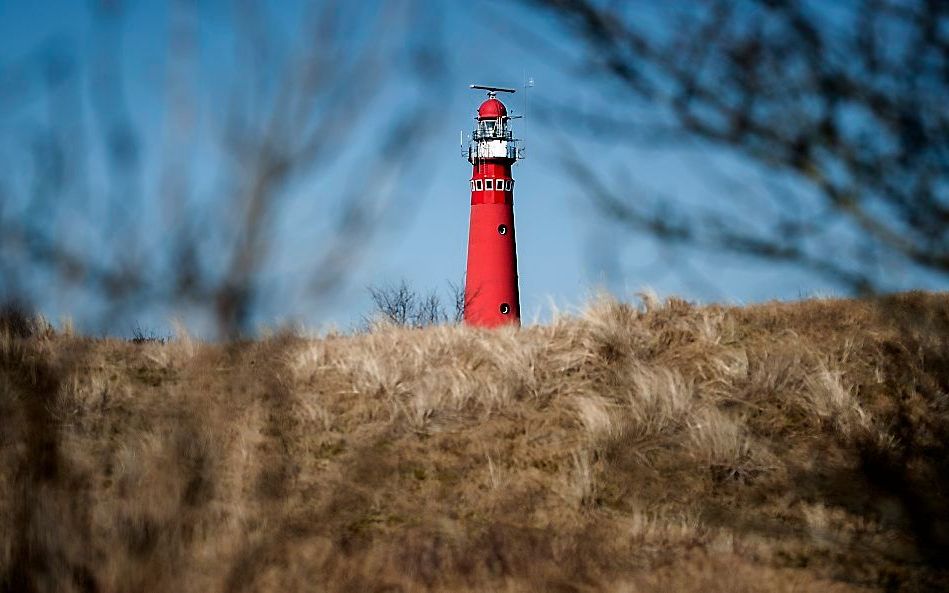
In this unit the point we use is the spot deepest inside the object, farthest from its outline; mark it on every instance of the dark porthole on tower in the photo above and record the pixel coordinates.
(502, 229)
(505, 308)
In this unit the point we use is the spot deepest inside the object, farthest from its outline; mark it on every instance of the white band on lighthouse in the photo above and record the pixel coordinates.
(495, 149)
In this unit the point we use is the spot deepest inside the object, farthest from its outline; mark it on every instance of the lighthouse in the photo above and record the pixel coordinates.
(491, 294)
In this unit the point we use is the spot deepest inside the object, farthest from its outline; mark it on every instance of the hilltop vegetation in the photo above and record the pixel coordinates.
(659, 447)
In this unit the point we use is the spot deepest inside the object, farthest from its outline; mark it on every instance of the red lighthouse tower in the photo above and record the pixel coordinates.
(491, 296)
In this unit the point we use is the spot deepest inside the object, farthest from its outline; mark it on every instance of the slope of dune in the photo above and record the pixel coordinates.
(633, 447)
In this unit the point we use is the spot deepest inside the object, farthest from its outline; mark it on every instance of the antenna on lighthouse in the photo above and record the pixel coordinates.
(528, 84)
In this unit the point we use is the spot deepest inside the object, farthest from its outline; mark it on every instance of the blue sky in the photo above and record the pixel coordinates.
(565, 251)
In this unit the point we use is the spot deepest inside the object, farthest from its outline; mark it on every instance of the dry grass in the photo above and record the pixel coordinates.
(779, 447)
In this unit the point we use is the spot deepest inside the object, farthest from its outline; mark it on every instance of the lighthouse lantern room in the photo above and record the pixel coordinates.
(491, 292)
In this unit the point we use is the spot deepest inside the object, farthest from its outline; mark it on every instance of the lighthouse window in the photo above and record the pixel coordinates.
(489, 184)
(499, 184)
(477, 185)
(502, 229)
(472, 185)
(505, 308)
(508, 184)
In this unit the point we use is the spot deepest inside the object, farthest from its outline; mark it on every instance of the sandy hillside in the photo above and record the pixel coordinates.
(653, 447)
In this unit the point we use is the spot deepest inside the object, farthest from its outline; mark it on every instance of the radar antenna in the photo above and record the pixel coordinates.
(492, 90)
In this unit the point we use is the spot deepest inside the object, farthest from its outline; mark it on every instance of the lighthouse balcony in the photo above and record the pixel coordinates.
(493, 149)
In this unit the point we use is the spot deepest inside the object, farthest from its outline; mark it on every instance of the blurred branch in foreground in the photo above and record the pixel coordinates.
(841, 106)
(181, 200)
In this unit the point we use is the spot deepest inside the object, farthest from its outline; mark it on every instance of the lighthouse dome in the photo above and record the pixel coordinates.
(491, 109)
